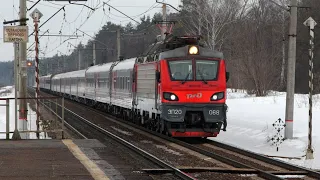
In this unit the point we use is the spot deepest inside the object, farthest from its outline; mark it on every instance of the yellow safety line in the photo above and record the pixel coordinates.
(94, 170)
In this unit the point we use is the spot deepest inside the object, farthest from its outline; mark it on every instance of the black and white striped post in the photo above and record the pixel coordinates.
(36, 15)
(311, 24)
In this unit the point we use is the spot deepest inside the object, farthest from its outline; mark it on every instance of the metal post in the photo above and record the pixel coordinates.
(23, 64)
(62, 118)
(16, 134)
(164, 18)
(58, 68)
(311, 24)
(291, 70)
(94, 52)
(7, 119)
(79, 63)
(283, 52)
(36, 15)
(56, 124)
(118, 44)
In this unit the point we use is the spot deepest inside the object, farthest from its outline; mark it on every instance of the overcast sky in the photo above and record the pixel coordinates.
(75, 17)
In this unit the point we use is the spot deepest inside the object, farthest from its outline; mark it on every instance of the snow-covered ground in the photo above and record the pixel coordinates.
(250, 127)
(4, 93)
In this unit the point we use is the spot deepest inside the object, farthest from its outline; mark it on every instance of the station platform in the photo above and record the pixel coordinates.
(60, 160)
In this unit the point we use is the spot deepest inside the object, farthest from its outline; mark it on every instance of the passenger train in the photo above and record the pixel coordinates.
(178, 87)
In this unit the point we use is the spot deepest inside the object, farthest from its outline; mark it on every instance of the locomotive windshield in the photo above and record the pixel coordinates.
(182, 70)
(206, 70)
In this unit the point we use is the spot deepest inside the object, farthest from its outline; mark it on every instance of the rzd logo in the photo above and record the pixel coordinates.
(214, 112)
(174, 111)
(191, 96)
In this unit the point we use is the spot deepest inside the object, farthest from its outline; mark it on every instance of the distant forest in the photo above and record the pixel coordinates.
(252, 34)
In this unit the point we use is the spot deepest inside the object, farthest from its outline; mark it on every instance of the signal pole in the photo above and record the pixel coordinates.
(16, 134)
(118, 44)
(79, 60)
(311, 24)
(36, 15)
(94, 52)
(23, 73)
(23, 64)
(291, 70)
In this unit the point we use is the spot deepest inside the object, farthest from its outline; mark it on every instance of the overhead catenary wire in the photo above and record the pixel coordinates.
(121, 12)
(92, 11)
(62, 8)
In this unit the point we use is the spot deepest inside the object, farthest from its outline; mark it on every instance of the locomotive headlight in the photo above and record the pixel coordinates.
(173, 97)
(193, 50)
(170, 96)
(217, 96)
(214, 97)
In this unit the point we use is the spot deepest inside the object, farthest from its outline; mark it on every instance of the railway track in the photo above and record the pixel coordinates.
(239, 166)
(74, 127)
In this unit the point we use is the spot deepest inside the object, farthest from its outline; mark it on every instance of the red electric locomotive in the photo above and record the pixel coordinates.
(178, 87)
(188, 96)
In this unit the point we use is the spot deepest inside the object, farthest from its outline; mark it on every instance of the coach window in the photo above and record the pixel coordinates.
(122, 83)
(99, 82)
(126, 83)
(104, 82)
(117, 82)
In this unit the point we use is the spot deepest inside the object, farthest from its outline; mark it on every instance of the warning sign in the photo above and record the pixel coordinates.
(15, 33)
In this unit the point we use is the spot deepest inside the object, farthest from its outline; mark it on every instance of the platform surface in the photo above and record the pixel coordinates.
(39, 159)
(64, 160)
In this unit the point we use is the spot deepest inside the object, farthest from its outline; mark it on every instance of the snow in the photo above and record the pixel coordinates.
(8, 92)
(250, 127)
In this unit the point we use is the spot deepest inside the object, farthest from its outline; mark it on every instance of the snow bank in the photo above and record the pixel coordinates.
(250, 127)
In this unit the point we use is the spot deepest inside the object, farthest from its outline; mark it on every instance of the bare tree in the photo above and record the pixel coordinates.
(211, 18)
(259, 53)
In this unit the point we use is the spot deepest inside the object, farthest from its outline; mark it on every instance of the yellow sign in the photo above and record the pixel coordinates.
(15, 33)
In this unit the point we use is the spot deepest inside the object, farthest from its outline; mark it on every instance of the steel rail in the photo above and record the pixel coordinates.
(263, 158)
(65, 123)
(311, 173)
(226, 160)
(136, 149)
(261, 173)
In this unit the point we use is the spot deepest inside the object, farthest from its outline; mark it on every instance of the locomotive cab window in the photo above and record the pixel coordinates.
(181, 70)
(206, 70)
